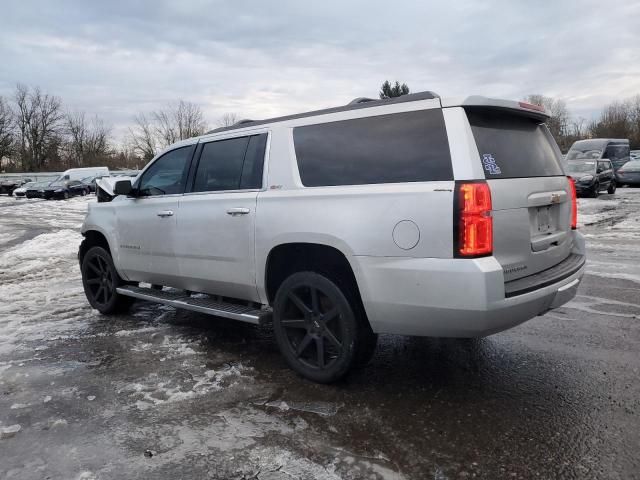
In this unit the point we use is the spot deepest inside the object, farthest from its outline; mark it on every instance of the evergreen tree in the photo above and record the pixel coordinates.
(392, 91)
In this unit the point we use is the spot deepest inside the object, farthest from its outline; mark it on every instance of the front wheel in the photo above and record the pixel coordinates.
(100, 281)
(612, 187)
(316, 327)
(596, 191)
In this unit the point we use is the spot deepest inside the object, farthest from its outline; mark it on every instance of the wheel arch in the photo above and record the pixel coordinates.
(287, 258)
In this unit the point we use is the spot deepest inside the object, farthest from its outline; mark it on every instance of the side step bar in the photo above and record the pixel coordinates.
(179, 299)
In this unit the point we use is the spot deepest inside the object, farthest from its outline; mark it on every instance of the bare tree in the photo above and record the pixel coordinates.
(142, 137)
(39, 120)
(615, 121)
(163, 127)
(7, 137)
(227, 120)
(87, 141)
(559, 122)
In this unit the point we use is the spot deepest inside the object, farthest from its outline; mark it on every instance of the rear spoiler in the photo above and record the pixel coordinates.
(519, 108)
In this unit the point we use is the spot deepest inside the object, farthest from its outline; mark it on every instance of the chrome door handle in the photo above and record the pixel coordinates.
(165, 213)
(238, 211)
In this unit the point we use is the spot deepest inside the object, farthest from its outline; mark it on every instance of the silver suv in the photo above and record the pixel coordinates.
(413, 216)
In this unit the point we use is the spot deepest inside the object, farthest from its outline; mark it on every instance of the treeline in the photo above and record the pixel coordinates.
(620, 119)
(38, 134)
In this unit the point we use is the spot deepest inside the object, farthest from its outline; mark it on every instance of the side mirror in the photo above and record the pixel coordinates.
(599, 170)
(123, 187)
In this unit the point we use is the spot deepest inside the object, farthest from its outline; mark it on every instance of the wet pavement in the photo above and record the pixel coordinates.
(159, 393)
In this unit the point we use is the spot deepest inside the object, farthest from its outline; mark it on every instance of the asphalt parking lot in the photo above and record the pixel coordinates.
(165, 394)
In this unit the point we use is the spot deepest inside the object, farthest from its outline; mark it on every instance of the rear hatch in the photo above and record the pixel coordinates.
(530, 193)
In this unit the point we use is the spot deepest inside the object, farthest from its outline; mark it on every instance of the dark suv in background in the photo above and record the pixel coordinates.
(592, 176)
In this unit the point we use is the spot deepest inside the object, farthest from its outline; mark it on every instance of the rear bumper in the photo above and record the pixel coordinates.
(453, 297)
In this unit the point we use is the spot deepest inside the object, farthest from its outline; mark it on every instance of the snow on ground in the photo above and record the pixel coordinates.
(611, 226)
(85, 395)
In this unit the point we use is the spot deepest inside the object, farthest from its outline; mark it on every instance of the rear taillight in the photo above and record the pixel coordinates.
(574, 203)
(473, 225)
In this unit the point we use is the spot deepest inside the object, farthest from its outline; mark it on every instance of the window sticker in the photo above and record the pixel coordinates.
(490, 164)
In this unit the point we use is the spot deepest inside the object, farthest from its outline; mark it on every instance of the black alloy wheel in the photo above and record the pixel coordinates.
(612, 187)
(100, 281)
(315, 327)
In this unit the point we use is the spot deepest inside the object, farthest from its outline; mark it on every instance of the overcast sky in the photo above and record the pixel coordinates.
(266, 58)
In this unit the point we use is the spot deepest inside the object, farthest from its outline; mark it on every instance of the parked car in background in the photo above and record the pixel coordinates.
(22, 190)
(65, 189)
(615, 150)
(36, 189)
(9, 184)
(592, 176)
(90, 182)
(629, 173)
(418, 215)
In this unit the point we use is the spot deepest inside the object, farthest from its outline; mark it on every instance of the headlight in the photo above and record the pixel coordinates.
(586, 178)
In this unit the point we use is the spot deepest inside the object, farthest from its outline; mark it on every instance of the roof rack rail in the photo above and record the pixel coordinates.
(355, 104)
(358, 100)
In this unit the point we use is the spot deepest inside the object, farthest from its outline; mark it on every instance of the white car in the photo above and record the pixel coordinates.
(415, 216)
(22, 190)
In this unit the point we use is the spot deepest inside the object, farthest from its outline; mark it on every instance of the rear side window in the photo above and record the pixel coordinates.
(232, 164)
(513, 146)
(403, 147)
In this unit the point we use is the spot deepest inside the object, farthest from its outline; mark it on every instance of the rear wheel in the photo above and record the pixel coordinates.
(100, 281)
(318, 328)
(612, 187)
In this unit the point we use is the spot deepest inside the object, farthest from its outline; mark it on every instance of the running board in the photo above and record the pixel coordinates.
(204, 304)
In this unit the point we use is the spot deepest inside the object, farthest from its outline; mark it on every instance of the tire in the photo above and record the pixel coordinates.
(10, 193)
(612, 187)
(65, 195)
(596, 191)
(100, 280)
(318, 329)
(83, 192)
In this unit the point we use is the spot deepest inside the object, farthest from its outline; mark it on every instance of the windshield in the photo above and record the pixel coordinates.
(581, 167)
(586, 153)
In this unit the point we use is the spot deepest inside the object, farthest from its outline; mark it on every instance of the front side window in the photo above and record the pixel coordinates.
(167, 174)
(402, 147)
(617, 154)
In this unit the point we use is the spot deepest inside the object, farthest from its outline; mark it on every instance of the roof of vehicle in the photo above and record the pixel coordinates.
(362, 102)
(599, 142)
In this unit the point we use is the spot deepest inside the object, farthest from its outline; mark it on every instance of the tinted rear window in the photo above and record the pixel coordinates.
(403, 147)
(513, 146)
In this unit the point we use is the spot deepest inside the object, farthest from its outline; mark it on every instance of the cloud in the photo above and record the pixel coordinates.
(261, 59)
